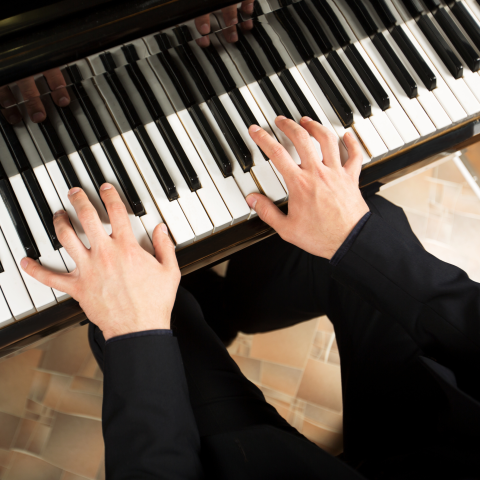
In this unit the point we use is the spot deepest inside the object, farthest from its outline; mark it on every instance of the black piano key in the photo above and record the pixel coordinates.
(440, 46)
(365, 19)
(41, 206)
(250, 58)
(257, 9)
(211, 140)
(156, 162)
(123, 178)
(343, 111)
(332, 21)
(313, 26)
(413, 56)
(220, 69)
(297, 96)
(130, 53)
(178, 154)
(1, 268)
(21, 227)
(266, 44)
(14, 145)
(182, 34)
(385, 14)
(274, 98)
(349, 83)
(458, 39)
(82, 147)
(395, 65)
(68, 172)
(242, 107)
(467, 22)
(234, 139)
(163, 42)
(367, 76)
(415, 9)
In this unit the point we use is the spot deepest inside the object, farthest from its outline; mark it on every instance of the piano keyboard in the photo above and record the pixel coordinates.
(166, 121)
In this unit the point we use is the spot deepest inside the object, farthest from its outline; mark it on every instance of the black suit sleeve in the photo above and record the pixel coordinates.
(148, 424)
(435, 302)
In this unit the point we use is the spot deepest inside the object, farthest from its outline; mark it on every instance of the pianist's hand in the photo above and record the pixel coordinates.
(325, 202)
(120, 286)
(31, 95)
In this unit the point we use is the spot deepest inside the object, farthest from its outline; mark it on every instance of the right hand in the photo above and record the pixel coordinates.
(325, 202)
(31, 96)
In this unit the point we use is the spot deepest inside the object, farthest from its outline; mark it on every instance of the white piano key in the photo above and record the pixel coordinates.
(457, 86)
(6, 317)
(12, 285)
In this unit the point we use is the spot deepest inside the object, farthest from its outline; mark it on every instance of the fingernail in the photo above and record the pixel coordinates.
(254, 128)
(64, 101)
(281, 117)
(73, 191)
(24, 263)
(252, 201)
(58, 213)
(105, 186)
(306, 119)
(38, 117)
(347, 134)
(249, 8)
(164, 228)
(14, 118)
(233, 37)
(8, 103)
(234, 21)
(204, 28)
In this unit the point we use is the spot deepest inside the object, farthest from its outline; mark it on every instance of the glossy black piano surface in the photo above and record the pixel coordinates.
(61, 33)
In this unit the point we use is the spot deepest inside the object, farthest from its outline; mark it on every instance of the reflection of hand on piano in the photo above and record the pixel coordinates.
(325, 202)
(230, 17)
(31, 96)
(120, 287)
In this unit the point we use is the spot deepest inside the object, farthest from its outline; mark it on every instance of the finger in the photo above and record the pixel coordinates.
(353, 165)
(117, 212)
(230, 34)
(87, 215)
(164, 247)
(12, 115)
(60, 281)
(275, 152)
(67, 237)
(302, 142)
(30, 94)
(203, 42)
(268, 212)
(327, 139)
(202, 24)
(247, 7)
(230, 16)
(57, 84)
(246, 25)
(7, 101)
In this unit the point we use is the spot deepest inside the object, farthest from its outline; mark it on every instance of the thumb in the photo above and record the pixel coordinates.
(164, 247)
(267, 211)
(62, 282)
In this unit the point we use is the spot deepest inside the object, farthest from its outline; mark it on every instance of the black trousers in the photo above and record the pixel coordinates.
(389, 403)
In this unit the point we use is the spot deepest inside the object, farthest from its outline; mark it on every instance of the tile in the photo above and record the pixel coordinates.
(32, 416)
(39, 386)
(75, 444)
(76, 403)
(8, 428)
(34, 407)
(89, 367)
(241, 346)
(25, 466)
(297, 414)
(101, 471)
(322, 416)
(283, 410)
(289, 346)
(324, 324)
(98, 374)
(24, 434)
(321, 385)
(67, 352)
(87, 385)
(72, 476)
(39, 439)
(250, 368)
(331, 442)
(16, 375)
(281, 378)
(334, 357)
(5, 458)
(273, 395)
(57, 387)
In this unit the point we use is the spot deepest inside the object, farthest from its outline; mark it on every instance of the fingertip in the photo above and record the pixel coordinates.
(254, 128)
(305, 120)
(105, 186)
(38, 117)
(252, 200)
(24, 263)
(164, 228)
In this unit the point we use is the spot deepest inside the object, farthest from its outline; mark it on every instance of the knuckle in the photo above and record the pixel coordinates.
(277, 151)
(86, 214)
(118, 207)
(300, 134)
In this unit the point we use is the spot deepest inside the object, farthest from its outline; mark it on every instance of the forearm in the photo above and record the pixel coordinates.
(148, 424)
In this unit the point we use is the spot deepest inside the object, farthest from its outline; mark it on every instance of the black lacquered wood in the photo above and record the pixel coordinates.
(182, 34)
(130, 53)
(458, 39)
(440, 46)
(92, 168)
(250, 58)
(266, 44)
(18, 219)
(467, 22)
(229, 130)
(395, 65)
(273, 97)
(68, 172)
(242, 107)
(211, 140)
(367, 76)
(332, 21)
(329, 89)
(385, 14)
(14, 145)
(156, 162)
(220, 68)
(413, 56)
(1, 268)
(365, 19)
(349, 83)
(415, 9)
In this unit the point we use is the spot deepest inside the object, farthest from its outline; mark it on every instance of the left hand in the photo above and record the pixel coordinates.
(120, 287)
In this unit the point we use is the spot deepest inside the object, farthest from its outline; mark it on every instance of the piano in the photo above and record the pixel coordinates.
(161, 111)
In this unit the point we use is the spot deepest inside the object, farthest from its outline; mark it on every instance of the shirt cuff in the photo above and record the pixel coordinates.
(145, 333)
(345, 246)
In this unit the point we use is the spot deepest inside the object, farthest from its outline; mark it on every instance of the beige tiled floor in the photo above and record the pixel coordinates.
(51, 395)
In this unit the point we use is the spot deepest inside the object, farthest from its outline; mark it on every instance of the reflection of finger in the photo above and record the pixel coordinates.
(230, 34)
(36, 110)
(203, 42)
(6, 97)
(203, 24)
(246, 25)
(247, 7)
(56, 82)
(30, 94)
(12, 115)
(230, 15)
